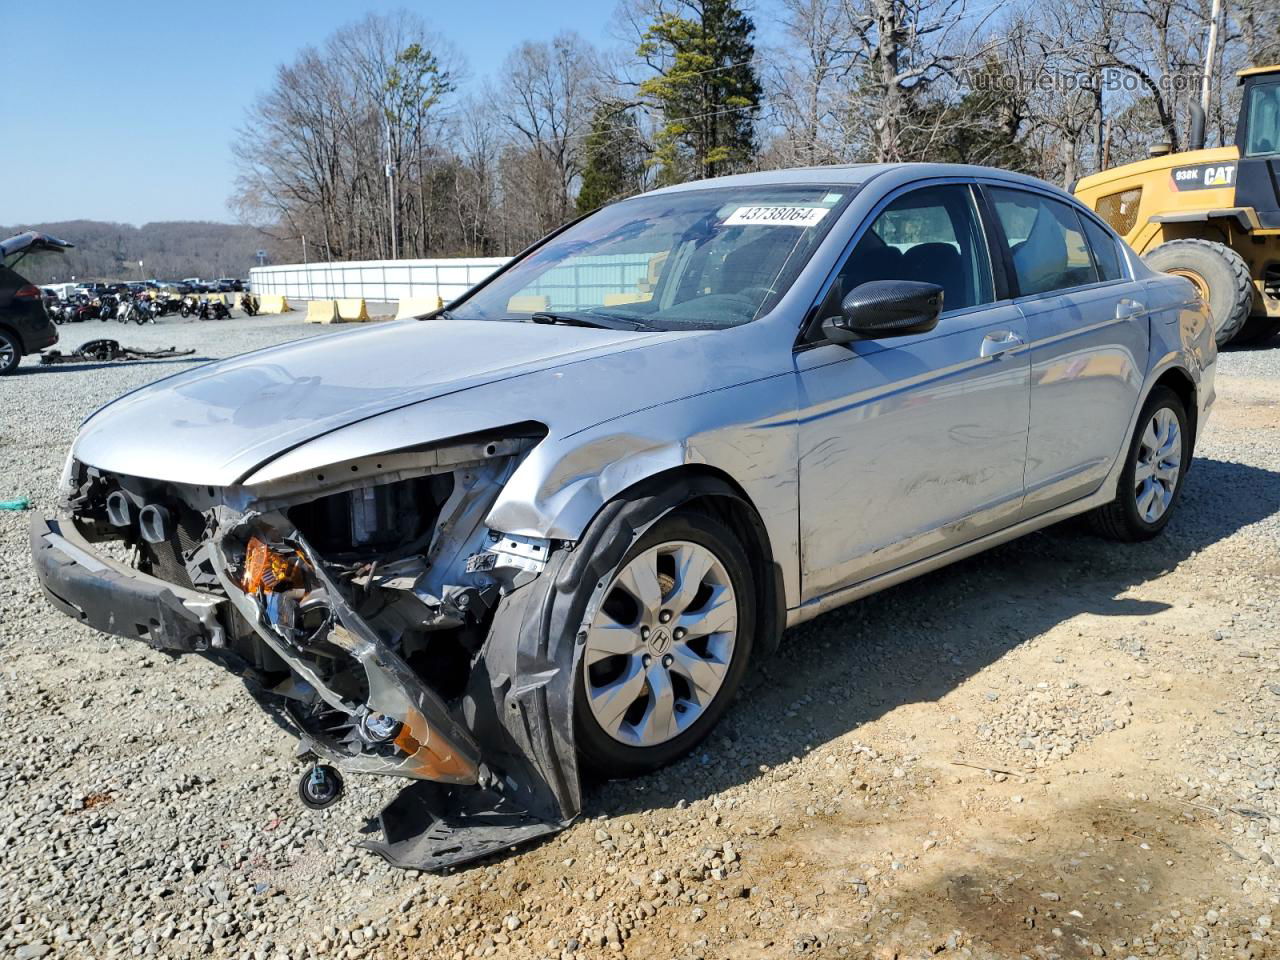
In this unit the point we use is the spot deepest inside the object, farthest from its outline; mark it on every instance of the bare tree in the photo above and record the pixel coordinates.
(909, 47)
(311, 153)
(549, 94)
(809, 81)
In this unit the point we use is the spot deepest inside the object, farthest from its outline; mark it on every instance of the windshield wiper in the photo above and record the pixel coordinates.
(571, 320)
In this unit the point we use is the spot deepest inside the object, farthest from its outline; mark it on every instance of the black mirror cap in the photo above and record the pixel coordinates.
(886, 308)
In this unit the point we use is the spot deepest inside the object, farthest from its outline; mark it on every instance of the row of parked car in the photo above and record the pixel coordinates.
(125, 288)
(28, 313)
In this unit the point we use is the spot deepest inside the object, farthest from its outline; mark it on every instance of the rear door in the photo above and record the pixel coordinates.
(1088, 337)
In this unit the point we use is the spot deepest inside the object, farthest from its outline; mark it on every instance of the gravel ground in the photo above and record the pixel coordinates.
(1063, 747)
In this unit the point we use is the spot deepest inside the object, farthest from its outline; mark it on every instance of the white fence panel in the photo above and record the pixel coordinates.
(585, 282)
(374, 280)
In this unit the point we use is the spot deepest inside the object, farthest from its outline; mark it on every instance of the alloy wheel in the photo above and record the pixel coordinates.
(661, 644)
(8, 353)
(1155, 476)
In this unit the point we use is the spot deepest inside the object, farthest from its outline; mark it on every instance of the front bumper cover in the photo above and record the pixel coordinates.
(117, 599)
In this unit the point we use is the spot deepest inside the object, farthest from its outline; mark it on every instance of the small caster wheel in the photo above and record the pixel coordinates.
(320, 787)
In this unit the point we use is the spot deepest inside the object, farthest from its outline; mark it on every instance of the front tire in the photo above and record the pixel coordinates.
(1153, 475)
(667, 647)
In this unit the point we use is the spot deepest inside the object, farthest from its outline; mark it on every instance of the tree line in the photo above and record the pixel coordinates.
(169, 250)
(376, 144)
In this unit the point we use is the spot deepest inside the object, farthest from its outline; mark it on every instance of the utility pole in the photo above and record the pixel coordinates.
(307, 265)
(1211, 50)
(391, 192)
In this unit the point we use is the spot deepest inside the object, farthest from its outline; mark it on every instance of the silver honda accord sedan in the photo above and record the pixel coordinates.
(549, 527)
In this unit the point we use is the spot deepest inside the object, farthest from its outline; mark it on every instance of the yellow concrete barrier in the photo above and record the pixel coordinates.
(417, 307)
(529, 303)
(353, 311)
(322, 311)
(215, 297)
(618, 299)
(273, 303)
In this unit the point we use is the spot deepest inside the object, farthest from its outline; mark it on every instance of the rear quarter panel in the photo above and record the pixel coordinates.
(1181, 336)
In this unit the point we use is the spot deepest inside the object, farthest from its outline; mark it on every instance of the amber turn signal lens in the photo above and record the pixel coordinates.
(266, 568)
(431, 755)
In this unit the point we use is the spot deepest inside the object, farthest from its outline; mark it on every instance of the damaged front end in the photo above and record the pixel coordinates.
(368, 607)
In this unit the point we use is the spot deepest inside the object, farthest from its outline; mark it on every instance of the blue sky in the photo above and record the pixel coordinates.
(124, 109)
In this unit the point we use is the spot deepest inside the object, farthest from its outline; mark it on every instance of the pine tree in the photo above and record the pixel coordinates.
(613, 164)
(706, 89)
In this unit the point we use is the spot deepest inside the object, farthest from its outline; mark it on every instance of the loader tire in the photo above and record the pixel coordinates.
(1218, 272)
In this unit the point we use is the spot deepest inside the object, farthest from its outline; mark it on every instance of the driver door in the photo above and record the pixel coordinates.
(912, 445)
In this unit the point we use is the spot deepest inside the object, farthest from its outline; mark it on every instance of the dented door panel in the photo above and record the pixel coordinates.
(909, 446)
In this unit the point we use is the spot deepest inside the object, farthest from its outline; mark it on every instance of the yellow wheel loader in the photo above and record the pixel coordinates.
(1212, 216)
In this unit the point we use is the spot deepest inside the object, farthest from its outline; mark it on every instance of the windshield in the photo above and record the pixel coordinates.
(697, 259)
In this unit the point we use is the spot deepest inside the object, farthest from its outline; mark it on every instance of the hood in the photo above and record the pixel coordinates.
(215, 424)
(31, 241)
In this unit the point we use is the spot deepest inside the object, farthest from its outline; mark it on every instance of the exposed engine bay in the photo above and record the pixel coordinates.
(370, 610)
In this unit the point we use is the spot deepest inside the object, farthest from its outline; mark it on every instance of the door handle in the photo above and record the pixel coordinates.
(999, 343)
(1127, 309)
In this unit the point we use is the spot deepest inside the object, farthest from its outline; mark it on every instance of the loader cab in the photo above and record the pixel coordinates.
(1258, 140)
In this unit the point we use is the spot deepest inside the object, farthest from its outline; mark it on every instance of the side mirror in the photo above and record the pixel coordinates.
(885, 308)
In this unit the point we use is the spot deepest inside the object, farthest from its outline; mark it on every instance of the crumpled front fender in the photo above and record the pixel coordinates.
(555, 492)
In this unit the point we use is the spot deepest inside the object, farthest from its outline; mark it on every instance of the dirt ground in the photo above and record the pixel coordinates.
(1062, 748)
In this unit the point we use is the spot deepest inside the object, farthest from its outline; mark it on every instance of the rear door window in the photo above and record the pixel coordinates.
(1106, 253)
(1046, 242)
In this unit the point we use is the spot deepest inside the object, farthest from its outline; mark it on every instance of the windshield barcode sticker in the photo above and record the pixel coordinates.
(776, 217)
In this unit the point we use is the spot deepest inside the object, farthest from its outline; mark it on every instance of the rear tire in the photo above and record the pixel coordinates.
(1218, 272)
(10, 353)
(1130, 517)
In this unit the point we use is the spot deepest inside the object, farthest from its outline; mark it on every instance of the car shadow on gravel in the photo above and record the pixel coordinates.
(918, 641)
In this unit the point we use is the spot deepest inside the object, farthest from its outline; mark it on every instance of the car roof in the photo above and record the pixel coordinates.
(857, 174)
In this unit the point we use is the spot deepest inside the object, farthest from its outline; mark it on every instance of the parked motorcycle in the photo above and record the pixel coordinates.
(137, 309)
(108, 306)
(188, 306)
(78, 310)
(145, 310)
(212, 310)
(249, 304)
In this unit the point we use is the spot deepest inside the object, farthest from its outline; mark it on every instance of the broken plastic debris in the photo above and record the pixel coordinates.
(107, 350)
(21, 503)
